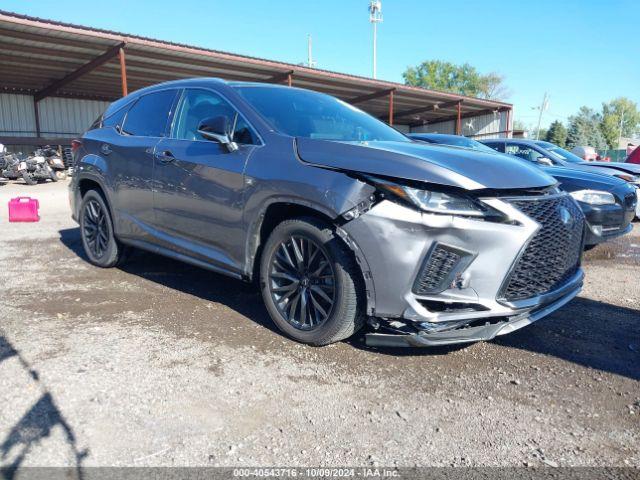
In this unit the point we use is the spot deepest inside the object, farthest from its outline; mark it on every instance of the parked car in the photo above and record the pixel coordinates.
(545, 152)
(339, 217)
(634, 157)
(608, 203)
(588, 154)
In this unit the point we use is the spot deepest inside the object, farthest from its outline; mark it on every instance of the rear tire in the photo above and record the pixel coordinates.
(96, 229)
(313, 290)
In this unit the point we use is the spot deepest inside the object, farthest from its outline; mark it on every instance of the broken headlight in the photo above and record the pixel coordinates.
(433, 201)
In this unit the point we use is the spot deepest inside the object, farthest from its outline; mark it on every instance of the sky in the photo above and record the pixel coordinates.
(582, 52)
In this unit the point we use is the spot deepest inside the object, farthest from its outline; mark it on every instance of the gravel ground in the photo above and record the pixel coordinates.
(163, 364)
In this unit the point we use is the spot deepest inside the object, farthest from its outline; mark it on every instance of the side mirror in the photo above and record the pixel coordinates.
(545, 161)
(219, 129)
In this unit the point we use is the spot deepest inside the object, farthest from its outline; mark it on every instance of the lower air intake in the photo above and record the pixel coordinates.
(439, 269)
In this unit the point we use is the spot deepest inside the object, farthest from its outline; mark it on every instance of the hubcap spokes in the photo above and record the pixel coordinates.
(302, 283)
(95, 228)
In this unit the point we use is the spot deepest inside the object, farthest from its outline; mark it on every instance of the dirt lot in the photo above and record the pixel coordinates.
(159, 363)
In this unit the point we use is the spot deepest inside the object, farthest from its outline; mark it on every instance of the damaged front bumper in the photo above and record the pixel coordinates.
(461, 299)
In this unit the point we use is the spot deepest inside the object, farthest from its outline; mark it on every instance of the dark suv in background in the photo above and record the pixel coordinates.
(341, 218)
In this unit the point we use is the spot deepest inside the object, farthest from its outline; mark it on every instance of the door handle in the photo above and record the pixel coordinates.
(165, 156)
(105, 149)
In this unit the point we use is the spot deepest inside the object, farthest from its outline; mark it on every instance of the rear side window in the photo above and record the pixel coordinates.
(148, 116)
(115, 120)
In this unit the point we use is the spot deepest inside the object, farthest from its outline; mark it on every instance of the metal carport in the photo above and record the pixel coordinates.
(43, 59)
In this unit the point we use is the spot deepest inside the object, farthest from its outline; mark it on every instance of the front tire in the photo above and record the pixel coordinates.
(96, 229)
(310, 283)
(28, 178)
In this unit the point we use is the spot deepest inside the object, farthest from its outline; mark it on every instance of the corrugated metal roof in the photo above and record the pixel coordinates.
(38, 52)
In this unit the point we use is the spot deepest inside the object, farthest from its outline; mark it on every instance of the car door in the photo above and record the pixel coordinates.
(129, 147)
(199, 183)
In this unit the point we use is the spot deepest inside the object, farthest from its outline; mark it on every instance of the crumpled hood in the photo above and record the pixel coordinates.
(441, 165)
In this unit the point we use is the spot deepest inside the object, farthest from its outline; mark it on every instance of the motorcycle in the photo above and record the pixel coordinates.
(32, 170)
(10, 166)
(54, 160)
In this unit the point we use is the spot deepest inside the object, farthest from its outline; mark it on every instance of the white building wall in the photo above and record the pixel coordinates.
(59, 117)
(483, 126)
(17, 118)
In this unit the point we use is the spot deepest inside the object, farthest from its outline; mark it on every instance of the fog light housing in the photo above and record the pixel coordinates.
(596, 229)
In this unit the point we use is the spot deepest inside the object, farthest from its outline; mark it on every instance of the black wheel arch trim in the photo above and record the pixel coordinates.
(253, 242)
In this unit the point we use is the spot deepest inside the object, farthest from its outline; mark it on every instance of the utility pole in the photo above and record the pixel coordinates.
(621, 126)
(310, 62)
(543, 107)
(375, 17)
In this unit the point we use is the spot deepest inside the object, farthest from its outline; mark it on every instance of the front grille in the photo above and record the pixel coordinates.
(439, 268)
(552, 256)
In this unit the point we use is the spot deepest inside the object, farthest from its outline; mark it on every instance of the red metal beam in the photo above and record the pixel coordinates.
(123, 72)
(87, 67)
(459, 119)
(371, 96)
(391, 108)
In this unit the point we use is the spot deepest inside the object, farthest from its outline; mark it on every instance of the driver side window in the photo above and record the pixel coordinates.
(197, 105)
(523, 151)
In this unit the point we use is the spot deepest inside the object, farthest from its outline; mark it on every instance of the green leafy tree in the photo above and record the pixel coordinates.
(619, 112)
(462, 79)
(584, 129)
(557, 134)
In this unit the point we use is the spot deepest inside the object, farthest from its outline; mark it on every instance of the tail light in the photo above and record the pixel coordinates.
(75, 145)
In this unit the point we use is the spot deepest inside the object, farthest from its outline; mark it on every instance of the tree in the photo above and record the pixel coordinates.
(462, 79)
(584, 129)
(557, 134)
(619, 112)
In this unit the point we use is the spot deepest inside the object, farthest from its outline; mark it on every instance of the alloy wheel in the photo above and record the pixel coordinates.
(95, 228)
(302, 282)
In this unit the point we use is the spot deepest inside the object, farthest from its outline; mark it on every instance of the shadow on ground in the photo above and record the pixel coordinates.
(592, 334)
(35, 425)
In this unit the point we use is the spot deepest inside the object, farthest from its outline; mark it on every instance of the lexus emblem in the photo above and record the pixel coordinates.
(565, 216)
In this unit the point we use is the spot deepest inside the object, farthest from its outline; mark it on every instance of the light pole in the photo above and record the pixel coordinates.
(375, 17)
(543, 107)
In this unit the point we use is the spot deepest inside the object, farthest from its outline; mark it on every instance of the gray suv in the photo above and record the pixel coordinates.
(342, 220)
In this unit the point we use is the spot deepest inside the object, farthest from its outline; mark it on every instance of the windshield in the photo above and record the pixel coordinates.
(302, 113)
(562, 154)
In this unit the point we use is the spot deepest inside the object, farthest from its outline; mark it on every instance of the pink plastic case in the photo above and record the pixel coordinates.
(23, 209)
